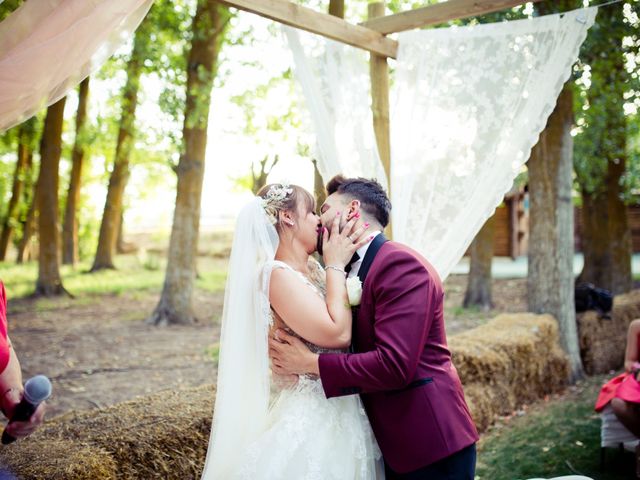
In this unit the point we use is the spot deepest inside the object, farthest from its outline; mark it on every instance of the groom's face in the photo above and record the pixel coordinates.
(334, 204)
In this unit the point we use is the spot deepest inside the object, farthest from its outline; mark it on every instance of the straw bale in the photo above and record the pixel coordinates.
(38, 458)
(511, 360)
(603, 339)
(165, 435)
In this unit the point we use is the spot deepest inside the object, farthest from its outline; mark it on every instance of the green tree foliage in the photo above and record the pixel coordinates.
(608, 100)
(7, 7)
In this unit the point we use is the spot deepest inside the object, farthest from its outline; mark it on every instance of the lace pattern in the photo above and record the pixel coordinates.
(308, 436)
(468, 104)
(471, 103)
(317, 282)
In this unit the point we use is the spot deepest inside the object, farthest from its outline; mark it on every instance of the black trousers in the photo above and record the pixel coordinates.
(459, 466)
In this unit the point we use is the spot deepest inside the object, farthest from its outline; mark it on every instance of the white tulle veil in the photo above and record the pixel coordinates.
(242, 398)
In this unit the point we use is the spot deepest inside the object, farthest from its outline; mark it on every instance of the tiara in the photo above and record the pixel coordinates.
(274, 200)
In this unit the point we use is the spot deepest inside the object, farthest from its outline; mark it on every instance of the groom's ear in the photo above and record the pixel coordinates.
(354, 207)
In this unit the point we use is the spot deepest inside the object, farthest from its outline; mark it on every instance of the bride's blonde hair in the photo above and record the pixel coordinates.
(282, 197)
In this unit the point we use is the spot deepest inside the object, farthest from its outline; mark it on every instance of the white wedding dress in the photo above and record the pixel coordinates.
(260, 432)
(308, 436)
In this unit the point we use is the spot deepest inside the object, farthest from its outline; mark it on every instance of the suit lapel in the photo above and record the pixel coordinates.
(372, 251)
(362, 274)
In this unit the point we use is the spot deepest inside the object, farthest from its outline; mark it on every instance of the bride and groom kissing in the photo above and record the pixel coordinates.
(320, 380)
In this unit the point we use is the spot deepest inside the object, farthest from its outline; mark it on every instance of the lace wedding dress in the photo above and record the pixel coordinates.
(307, 435)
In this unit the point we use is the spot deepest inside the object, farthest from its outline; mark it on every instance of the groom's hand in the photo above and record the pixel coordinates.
(289, 356)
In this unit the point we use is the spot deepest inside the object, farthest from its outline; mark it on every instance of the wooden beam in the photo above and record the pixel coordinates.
(379, 71)
(438, 13)
(335, 28)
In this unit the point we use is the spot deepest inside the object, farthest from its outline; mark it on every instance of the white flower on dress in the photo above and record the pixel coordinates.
(354, 291)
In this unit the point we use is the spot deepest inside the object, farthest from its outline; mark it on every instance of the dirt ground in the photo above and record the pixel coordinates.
(102, 352)
(98, 350)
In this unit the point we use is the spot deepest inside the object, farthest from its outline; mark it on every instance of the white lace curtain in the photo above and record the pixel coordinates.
(334, 79)
(47, 47)
(468, 105)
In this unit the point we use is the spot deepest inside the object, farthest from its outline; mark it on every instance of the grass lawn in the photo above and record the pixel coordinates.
(134, 273)
(558, 437)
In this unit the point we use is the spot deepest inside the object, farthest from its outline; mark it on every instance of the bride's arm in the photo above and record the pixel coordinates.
(327, 324)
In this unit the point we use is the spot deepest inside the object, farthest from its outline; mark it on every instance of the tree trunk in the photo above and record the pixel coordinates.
(29, 225)
(120, 245)
(550, 283)
(28, 230)
(49, 282)
(478, 292)
(595, 240)
(23, 165)
(619, 230)
(209, 24)
(120, 173)
(70, 228)
(607, 241)
(260, 180)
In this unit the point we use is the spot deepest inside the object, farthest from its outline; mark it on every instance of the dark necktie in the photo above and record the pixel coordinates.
(353, 260)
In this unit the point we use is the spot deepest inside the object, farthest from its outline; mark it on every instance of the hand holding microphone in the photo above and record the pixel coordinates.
(25, 411)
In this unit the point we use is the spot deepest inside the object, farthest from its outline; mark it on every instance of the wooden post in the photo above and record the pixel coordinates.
(379, 71)
(336, 9)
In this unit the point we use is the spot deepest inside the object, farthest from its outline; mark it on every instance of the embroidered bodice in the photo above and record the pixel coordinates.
(317, 282)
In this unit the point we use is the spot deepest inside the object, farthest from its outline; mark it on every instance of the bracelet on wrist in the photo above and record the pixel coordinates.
(336, 268)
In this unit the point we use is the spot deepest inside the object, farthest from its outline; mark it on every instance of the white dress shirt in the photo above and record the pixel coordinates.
(362, 251)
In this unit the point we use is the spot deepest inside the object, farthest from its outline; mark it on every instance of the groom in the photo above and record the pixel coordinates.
(401, 366)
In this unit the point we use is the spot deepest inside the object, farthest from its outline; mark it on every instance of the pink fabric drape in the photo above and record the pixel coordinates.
(47, 47)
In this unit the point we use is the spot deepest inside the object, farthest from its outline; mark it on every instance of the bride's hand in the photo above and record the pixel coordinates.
(339, 246)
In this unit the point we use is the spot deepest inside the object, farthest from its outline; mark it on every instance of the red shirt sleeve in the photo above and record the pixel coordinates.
(4, 342)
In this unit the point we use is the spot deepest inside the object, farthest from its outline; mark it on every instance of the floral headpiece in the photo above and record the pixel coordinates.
(274, 201)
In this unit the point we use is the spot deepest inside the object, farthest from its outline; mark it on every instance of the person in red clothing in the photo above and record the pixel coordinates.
(624, 390)
(11, 389)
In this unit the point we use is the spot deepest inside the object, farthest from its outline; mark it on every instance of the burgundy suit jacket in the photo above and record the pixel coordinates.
(402, 367)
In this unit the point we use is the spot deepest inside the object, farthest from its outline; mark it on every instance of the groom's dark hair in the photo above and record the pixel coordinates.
(372, 197)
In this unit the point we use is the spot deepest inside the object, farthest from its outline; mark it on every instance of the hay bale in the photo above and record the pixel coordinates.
(512, 360)
(603, 340)
(165, 435)
(38, 457)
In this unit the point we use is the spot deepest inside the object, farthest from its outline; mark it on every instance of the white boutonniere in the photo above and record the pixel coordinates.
(354, 291)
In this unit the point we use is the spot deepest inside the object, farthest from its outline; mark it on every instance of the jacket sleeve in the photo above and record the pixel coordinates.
(404, 296)
(4, 342)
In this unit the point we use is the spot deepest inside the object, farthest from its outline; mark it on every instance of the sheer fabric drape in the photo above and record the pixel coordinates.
(47, 47)
(334, 79)
(243, 386)
(468, 104)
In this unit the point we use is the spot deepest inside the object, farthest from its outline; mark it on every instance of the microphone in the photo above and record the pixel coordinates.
(36, 390)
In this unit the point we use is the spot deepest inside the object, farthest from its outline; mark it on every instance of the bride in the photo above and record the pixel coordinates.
(274, 283)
